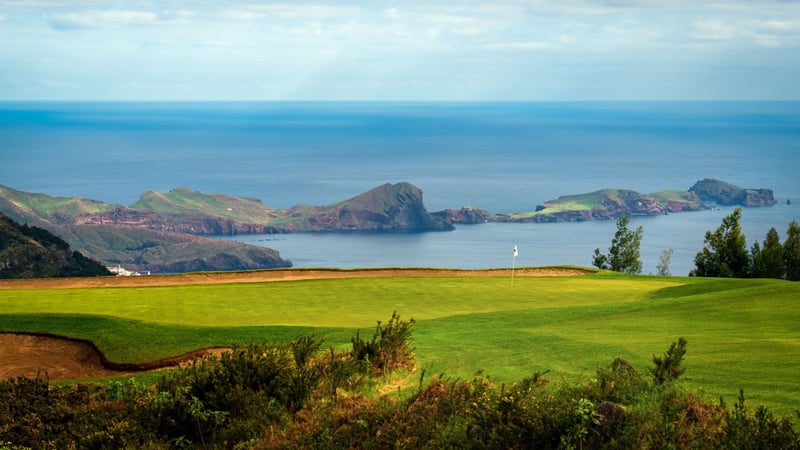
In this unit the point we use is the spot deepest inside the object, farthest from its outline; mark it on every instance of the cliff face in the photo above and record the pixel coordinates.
(192, 223)
(466, 215)
(723, 193)
(759, 197)
(390, 207)
(142, 250)
(600, 205)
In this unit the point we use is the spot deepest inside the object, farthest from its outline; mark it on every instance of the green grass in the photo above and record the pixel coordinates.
(741, 333)
(45, 205)
(184, 200)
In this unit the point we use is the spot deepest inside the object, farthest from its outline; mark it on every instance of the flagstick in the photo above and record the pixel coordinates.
(513, 262)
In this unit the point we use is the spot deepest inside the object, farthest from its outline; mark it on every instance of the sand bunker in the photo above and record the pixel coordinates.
(45, 356)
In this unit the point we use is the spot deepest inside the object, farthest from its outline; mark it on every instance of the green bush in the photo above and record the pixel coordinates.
(390, 347)
(289, 396)
(668, 367)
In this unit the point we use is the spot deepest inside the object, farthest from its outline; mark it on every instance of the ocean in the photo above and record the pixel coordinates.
(502, 157)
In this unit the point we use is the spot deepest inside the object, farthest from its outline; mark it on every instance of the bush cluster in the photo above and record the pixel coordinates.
(294, 396)
(619, 408)
(226, 401)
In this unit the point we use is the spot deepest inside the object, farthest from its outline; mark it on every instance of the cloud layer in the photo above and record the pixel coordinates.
(433, 50)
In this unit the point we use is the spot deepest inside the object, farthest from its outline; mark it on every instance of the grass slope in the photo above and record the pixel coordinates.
(186, 201)
(49, 208)
(741, 333)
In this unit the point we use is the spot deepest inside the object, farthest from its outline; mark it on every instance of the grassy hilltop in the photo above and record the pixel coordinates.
(740, 333)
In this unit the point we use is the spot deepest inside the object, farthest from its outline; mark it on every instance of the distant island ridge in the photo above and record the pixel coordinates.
(161, 232)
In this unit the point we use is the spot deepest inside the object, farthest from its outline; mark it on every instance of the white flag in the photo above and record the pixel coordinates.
(515, 251)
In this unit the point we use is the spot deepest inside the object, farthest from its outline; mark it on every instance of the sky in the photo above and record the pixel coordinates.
(430, 50)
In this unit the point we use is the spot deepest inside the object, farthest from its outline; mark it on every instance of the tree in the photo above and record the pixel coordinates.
(668, 367)
(663, 263)
(791, 252)
(768, 258)
(623, 255)
(725, 254)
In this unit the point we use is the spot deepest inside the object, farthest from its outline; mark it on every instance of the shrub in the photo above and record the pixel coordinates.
(390, 347)
(760, 430)
(668, 368)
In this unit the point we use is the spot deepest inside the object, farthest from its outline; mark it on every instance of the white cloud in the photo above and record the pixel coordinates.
(558, 44)
(102, 19)
(713, 30)
(290, 11)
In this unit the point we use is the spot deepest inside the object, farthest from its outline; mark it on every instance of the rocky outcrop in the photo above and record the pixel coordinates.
(724, 193)
(759, 197)
(614, 203)
(192, 223)
(390, 207)
(254, 259)
(600, 205)
(466, 215)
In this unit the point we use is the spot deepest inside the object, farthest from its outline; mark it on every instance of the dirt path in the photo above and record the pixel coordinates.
(65, 359)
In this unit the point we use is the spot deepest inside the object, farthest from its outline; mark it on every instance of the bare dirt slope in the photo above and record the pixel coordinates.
(65, 359)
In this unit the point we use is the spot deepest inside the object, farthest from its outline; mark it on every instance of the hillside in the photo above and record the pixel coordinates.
(159, 233)
(140, 248)
(389, 207)
(35, 207)
(608, 204)
(146, 250)
(33, 252)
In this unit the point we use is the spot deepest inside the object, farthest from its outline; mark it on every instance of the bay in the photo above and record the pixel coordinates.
(491, 245)
(503, 157)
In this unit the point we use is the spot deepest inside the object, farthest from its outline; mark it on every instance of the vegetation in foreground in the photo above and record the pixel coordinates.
(743, 331)
(297, 396)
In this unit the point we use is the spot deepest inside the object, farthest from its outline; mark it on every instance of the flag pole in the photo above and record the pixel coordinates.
(513, 262)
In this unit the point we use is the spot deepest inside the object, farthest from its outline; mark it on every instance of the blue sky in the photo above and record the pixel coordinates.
(400, 50)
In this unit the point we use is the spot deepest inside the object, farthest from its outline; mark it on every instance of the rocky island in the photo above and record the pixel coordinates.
(609, 204)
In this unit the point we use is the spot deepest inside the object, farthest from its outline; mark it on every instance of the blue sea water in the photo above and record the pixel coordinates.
(503, 157)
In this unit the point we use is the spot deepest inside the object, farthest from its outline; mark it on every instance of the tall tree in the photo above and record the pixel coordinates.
(663, 263)
(791, 252)
(623, 255)
(768, 258)
(725, 253)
